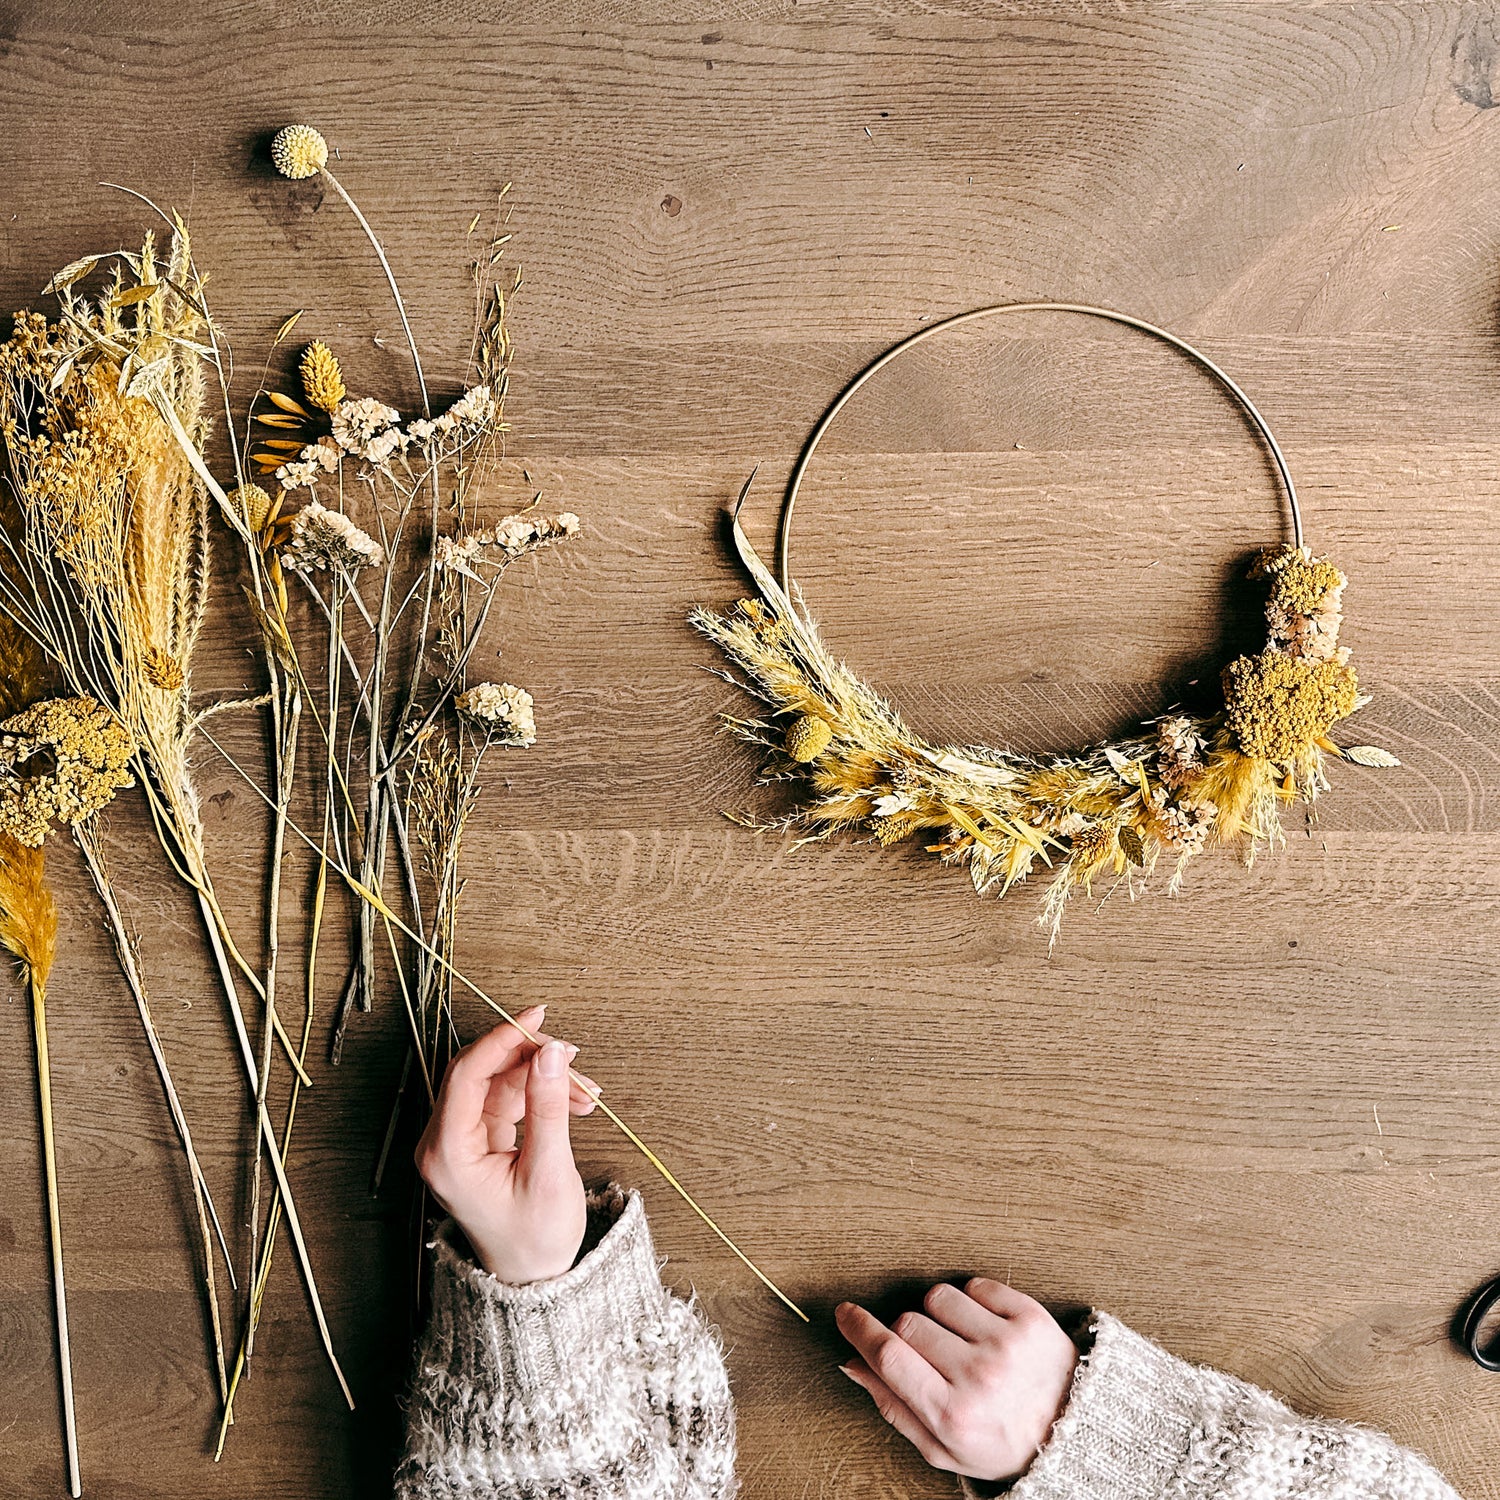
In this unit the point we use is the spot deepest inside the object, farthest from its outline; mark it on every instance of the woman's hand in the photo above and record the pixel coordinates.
(975, 1384)
(521, 1208)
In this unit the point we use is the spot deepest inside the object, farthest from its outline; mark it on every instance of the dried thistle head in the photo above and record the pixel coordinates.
(299, 151)
(322, 379)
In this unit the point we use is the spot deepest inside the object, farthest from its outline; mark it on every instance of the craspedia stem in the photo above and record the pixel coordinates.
(299, 151)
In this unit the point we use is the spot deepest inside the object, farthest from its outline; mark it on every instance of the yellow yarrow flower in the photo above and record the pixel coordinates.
(1279, 706)
(90, 751)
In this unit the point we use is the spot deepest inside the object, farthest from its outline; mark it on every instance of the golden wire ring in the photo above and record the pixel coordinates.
(794, 484)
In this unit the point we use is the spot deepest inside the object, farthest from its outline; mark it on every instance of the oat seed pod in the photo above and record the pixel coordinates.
(299, 151)
(322, 379)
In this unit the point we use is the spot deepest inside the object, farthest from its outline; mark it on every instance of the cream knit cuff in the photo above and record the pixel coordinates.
(538, 1335)
(1125, 1432)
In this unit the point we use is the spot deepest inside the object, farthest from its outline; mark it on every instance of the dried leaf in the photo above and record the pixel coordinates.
(275, 419)
(133, 294)
(284, 445)
(285, 329)
(271, 631)
(1132, 844)
(1122, 765)
(1369, 755)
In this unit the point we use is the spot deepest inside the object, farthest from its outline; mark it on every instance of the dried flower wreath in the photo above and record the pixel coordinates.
(1175, 786)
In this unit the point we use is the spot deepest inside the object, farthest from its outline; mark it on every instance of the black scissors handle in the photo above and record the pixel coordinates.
(1481, 1305)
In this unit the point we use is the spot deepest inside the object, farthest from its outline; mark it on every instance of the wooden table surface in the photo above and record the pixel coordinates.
(1259, 1121)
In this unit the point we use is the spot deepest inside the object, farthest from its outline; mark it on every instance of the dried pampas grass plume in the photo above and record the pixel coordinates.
(299, 151)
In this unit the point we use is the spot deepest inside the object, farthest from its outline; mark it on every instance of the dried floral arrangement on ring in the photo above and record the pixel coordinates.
(369, 573)
(1175, 786)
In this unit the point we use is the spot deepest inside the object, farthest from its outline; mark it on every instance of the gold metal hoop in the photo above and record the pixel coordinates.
(1261, 426)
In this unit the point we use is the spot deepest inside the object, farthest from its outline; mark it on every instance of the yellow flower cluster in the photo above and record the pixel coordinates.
(322, 379)
(1278, 707)
(86, 752)
(1302, 584)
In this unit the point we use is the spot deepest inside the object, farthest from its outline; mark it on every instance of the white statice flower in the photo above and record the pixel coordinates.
(472, 414)
(315, 462)
(369, 429)
(323, 538)
(475, 408)
(500, 710)
(502, 543)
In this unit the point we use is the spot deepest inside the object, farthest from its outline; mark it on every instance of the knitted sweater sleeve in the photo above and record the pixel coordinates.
(1141, 1424)
(598, 1384)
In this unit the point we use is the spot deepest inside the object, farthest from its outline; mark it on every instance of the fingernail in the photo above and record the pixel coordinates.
(845, 1370)
(552, 1062)
(572, 1052)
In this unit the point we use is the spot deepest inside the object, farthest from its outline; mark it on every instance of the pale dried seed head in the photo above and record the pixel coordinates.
(299, 151)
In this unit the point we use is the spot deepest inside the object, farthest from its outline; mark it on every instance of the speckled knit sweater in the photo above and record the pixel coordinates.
(601, 1385)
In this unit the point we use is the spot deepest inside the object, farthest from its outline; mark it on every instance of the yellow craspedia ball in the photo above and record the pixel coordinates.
(299, 151)
(808, 737)
(254, 504)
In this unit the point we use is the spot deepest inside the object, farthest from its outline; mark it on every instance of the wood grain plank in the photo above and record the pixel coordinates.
(1256, 1120)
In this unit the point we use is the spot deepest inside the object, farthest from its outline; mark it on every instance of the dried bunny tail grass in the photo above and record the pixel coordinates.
(28, 909)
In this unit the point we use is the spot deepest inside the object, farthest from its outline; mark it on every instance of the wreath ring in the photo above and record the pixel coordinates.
(1175, 786)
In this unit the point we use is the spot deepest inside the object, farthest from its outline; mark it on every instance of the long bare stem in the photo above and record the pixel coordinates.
(374, 898)
(390, 276)
(54, 1226)
(87, 837)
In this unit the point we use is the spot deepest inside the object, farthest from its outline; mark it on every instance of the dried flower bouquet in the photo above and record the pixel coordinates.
(359, 544)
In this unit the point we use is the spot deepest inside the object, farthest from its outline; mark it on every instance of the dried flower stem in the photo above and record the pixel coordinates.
(87, 837)
(394, 921)
(37, 985)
